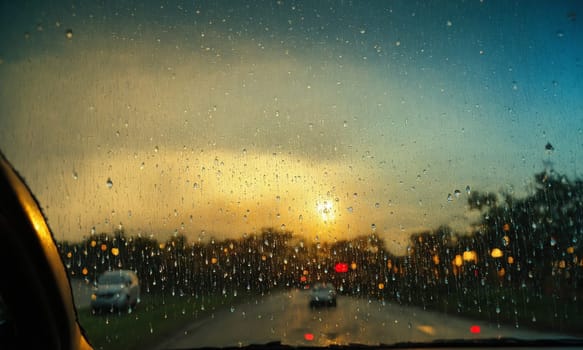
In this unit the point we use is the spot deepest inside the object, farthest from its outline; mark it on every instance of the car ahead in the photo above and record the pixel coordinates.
(322, 294)
(116, 290)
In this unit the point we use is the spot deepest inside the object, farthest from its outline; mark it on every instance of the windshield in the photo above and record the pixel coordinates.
(422, 158)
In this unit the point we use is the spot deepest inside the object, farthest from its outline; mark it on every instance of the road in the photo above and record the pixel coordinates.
(286, 317)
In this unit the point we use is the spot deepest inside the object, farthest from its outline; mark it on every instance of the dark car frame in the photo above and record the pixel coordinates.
(37, 308)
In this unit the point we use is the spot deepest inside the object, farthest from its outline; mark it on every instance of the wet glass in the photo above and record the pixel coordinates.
(422, 157)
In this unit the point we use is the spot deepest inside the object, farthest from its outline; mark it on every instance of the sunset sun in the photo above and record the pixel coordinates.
(326, 210)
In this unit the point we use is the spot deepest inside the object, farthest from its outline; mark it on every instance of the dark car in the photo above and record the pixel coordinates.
(323, 294)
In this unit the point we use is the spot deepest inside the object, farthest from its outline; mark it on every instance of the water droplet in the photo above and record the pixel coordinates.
(553, 242)
(349, 209)
(505, 240)
(373, 227)
(377, 205)
(457, 193)
(156, 149)
(69, 34)
(109, 183)
(449, 197)
(468, 190)
(75, 176)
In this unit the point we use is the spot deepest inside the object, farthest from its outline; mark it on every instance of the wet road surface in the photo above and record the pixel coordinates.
(287, 317)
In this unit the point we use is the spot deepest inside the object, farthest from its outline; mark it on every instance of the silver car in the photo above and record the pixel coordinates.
(116, 290)
(322, 294)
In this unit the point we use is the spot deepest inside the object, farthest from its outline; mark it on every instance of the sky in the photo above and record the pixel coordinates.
(327, 119)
